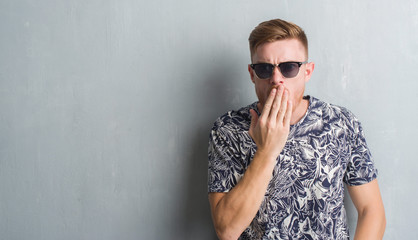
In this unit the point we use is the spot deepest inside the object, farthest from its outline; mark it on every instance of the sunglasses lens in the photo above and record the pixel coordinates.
(263, 70)
(289, 70)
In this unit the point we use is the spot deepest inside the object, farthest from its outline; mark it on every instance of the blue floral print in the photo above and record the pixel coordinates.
(304, 200)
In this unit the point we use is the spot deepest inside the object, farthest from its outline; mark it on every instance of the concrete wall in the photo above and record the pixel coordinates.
(106, 106)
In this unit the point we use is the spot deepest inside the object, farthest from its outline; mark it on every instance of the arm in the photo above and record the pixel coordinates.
(371, 213)
(232, 212)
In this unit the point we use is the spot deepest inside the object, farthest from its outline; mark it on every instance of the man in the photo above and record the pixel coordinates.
(277, 167)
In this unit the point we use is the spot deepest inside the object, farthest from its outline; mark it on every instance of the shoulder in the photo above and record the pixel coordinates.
(234, 120)
(333, 112)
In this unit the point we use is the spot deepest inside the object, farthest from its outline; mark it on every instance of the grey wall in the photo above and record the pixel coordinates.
(106, 106)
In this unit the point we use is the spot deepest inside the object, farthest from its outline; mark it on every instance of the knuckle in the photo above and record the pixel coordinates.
(270, 125)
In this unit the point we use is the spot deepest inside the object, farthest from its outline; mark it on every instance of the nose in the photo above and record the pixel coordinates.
(276, 77)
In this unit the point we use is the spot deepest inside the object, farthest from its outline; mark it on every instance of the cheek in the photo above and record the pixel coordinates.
(262, 91)
(296, 92)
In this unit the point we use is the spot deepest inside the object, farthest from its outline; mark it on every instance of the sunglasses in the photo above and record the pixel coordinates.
(288, 69)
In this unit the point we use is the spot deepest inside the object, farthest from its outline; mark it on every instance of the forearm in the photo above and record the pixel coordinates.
(235, 211)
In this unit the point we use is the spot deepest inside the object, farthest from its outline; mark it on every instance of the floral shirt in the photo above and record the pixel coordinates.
(304, 199)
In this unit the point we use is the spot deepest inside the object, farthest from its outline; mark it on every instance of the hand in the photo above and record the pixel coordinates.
(271, 129)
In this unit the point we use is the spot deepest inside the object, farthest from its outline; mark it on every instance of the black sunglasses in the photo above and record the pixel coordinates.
(288, 69)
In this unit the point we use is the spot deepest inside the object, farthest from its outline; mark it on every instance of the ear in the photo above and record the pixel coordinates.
(252, 76)
(309, 70)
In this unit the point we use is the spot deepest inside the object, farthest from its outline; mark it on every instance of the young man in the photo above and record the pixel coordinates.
(277, 167)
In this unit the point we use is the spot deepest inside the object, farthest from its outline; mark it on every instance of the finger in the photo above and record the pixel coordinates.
(267, 105)
(254, 120)
(288, 114)
(277, 103)
(283, 105)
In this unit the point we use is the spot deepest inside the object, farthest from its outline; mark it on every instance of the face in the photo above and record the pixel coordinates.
(288, 50)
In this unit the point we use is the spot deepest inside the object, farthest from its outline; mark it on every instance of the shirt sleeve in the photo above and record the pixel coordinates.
(224, 168)
(361, 168)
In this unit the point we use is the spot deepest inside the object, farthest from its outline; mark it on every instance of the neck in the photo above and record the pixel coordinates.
(299, 111)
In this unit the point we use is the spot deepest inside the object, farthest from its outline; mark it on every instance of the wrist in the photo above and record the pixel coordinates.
(266, 156)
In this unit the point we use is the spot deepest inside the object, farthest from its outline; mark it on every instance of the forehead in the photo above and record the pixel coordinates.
(280, 51)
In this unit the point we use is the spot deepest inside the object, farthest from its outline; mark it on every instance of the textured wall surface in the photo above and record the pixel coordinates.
(106, 107)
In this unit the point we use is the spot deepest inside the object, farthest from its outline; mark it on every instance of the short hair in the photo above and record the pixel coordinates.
(274, 30)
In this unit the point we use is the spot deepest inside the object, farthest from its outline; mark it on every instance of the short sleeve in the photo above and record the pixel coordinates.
(224, 168)
(360, 168)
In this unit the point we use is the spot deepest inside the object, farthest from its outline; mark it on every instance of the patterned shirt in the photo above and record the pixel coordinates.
(304, 199)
